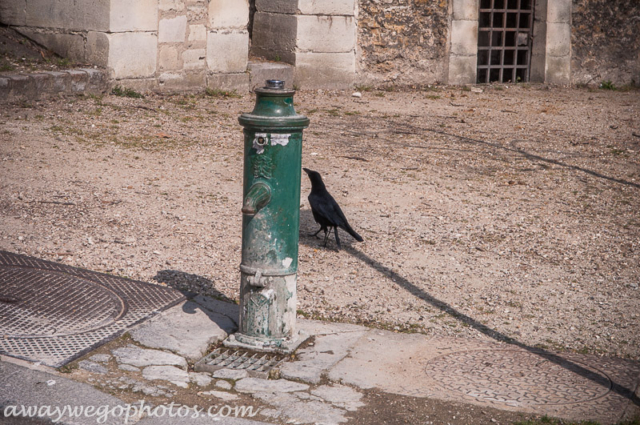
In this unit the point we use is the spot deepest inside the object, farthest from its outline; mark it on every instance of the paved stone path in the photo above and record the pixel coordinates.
(326, 380)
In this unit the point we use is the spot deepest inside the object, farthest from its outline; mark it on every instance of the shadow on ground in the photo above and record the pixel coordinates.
(308, 226)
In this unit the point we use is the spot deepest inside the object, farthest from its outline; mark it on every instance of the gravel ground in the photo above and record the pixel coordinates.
(508, 213)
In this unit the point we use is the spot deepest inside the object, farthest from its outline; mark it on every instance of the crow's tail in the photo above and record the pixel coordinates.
(352, 232)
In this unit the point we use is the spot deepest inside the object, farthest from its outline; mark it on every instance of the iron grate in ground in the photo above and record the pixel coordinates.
(53, 313)
(258, 365)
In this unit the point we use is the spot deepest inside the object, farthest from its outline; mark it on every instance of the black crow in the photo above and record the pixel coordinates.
(326, 211)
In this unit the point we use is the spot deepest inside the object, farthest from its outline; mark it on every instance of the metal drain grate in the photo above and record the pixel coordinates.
(53, 313)
(258, 365)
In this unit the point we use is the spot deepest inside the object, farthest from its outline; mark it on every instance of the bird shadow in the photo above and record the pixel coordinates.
(574, 367)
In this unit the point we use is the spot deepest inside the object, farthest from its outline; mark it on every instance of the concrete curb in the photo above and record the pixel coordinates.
(24, 87)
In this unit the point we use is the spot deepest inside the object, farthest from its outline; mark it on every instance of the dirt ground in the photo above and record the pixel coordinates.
(500, 212)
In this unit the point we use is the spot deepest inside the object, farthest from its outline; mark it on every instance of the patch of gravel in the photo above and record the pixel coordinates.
(511, 213)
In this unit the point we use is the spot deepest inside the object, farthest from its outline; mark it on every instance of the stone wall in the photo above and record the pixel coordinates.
(318, 37)
(147, 44)
(403, 41)
(606, 41)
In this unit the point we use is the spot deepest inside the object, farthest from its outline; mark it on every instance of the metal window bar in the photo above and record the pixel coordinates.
(504, 40)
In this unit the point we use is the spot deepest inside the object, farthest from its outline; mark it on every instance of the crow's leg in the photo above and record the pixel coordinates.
(337, 238)
(316, 233)
(326, 237)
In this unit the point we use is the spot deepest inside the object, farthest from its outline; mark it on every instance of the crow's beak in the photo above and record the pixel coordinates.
(306, 170)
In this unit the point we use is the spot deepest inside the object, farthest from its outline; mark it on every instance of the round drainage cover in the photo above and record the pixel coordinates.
(39, 303)
(518, 377)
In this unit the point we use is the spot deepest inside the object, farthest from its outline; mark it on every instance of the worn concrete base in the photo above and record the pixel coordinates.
(280, 346)
(238, 82)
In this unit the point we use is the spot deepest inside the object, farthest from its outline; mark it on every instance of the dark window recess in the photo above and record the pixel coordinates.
(504, 40)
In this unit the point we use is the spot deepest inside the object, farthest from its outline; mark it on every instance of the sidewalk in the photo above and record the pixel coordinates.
(330, 380)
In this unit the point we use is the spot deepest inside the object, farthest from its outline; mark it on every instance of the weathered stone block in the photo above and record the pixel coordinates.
(68, 45)
(559, 11)
(238, 81)
(194, 59)
(169, 58)
(173, 30)
(133, 55)
(171, 5)
(262, 71)
(462, 70)
(558, 39)
(227, 51)
(558, 70)
(325, 70)
(465, 10)
(327, 7)
(96, 14)
(60, 82)
(197, 33)
(97, 48)
(43, 82)
(13, 12)
(97, 81)
(228, 14)
(338, 34)
(138, 15)
(277, 6)
(78, 80)
(464, 37)
(274, 36)
(307, 7)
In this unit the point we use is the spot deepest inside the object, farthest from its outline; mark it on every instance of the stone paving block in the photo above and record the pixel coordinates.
(232, 374)
(100, 358)
(172, 30)
(224, 385)
(228, 14)
(289, 408)
(92, 367)
(186, 329)
(172, 374)
(340, 395)
(128, 368)
(254, 385)
(200, 379)
(140, 357)
(219, 394)
(319, 358)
